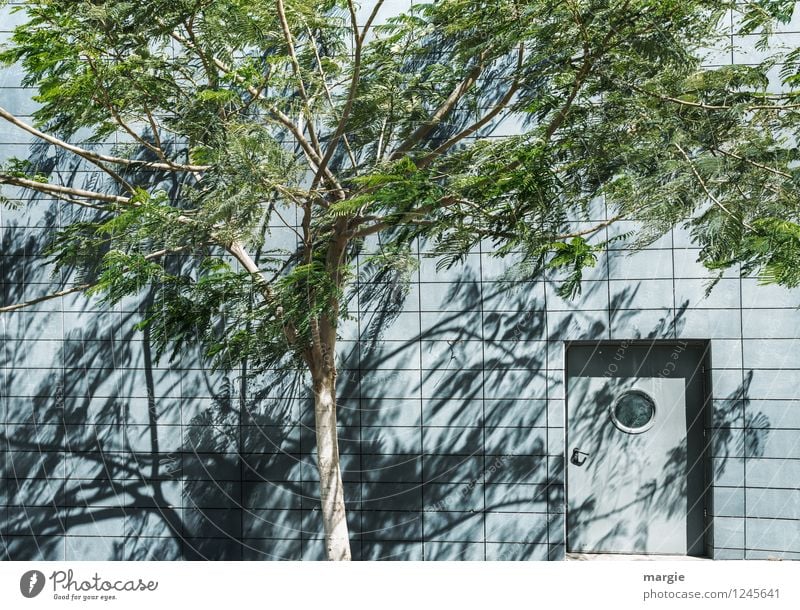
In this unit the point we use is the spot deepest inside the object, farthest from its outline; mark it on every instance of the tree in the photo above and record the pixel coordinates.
(241, 115)
(746, 165)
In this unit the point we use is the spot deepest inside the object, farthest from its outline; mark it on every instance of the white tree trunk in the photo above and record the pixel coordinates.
(337, 540)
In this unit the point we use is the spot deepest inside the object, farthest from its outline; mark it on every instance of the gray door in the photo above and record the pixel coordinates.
(635, 423)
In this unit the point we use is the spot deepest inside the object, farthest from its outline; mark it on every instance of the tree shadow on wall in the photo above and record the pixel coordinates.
(463, 465)
(450, 427)
(107, 454)
(450, 434)
(453, 452)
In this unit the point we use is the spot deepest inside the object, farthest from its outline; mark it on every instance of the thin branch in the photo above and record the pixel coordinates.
(382, 226)
(497, 109)
(356, 76)
(102, 166)
(66, 193)
(279, 116)
(287, 123)
(96, 157)
(287, 35)
(351, 8)
(708, 193)
(592, 230)
(703, 106)
(239, 252)
(109, 105)
(329, 97)
(55, 189)
(767, 168)
(586, 66)
(85, 286)
(379, 146)
(78, 202)
(212, 76)
(89, 157)
(286, 224)
(46, 297)
(155, 128)
(561, 115)
(407, 217)
(374, 13)
(441, 112)
(563, 112)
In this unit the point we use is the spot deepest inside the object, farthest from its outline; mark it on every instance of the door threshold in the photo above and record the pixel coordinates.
(631, 557)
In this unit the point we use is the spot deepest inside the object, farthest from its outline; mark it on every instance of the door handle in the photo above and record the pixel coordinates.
(578, 457)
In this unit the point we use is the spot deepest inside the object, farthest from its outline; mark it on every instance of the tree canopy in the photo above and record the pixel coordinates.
(224, 126)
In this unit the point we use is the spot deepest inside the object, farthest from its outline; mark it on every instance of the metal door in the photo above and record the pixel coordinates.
(634, 454)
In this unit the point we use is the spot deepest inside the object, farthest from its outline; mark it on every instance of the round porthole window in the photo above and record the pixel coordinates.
(633, 412)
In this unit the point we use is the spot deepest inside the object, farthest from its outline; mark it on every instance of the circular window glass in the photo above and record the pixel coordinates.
(633, 412)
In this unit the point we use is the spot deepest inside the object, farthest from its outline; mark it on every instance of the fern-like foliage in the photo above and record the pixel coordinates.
(268, 154)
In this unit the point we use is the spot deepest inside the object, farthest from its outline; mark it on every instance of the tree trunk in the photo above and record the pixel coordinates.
(337, 541)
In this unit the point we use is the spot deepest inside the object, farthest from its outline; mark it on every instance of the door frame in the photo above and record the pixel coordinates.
(707, 492)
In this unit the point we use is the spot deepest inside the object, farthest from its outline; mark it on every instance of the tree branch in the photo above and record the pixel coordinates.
(351, 96)
(704, 106)
(96, 157)
(65, 193)
(212, 76)
(586, 66)
(238, 251)
(498, 108)
(449, 103)
(154, 126)
(703, 185)
(561, 116)
(85, 286)
(46, 297)
(287, 35)
(329, 97)
(767, 168)
(287, 123)
(591, 230)
(109, 105)
(56, 189)
(279, 116)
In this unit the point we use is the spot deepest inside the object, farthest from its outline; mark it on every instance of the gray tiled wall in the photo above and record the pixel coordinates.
(452, 411)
